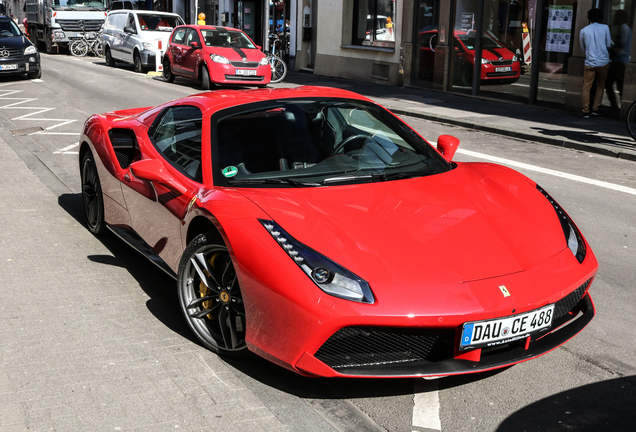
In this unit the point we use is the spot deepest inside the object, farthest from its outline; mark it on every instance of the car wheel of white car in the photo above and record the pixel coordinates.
(110, 61)
(137, 61)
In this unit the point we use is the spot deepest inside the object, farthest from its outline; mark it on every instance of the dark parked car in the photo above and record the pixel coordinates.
(17, 54)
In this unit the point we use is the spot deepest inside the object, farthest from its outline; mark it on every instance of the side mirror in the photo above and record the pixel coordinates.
(194, 45)
(258, 47)
(154, 170)
(129, 29)
(447, 146)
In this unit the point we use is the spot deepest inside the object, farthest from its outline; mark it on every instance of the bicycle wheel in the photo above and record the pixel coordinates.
(631, 120)
(279, 69)
(98, 49)
(78, 48)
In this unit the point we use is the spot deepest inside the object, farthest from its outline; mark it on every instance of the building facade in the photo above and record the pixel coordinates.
(529, 50)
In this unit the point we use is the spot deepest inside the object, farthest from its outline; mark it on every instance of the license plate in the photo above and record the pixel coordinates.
(479, 334)
(245, 72)
(9, 67)
(503, 69)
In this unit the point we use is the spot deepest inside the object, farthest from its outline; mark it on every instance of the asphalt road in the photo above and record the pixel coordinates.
(589, 384)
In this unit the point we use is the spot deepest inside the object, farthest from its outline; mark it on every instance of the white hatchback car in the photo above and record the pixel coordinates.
(135, 36)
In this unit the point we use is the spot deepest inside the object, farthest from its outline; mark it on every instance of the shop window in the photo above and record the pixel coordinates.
(374, 22)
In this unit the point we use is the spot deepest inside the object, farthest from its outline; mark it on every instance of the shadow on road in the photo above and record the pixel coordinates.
(160, 288)
(604, 406)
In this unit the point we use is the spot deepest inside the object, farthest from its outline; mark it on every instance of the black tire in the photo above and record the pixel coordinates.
(139, 67)
(168, 76)
(466, 75)
(35, 75)
(210, 296)
(110, 61)
(206, 84)
(92, 196)
(48, 43)
(631, 120)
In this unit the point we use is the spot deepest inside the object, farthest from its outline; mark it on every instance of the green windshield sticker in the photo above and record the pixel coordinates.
(230, 171)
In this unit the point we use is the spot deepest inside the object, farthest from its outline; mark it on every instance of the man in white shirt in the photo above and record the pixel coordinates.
(595, 40)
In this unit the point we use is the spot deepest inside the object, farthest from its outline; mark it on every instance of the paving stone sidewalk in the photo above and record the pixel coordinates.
(91, 340)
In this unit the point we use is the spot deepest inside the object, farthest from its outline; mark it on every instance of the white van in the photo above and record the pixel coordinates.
(134, 36)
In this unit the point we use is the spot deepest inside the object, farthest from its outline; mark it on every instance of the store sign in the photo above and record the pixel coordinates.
(468, 21)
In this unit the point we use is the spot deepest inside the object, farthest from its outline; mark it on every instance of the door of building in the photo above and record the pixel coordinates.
(425, 39)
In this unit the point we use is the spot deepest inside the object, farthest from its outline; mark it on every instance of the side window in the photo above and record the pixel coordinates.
(177, 135)
(192, 37)
(179, 36)
(130, 22)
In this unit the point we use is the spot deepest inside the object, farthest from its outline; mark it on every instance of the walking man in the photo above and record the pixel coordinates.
(595, 40)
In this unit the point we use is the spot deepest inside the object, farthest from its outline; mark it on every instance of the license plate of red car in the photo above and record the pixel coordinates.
(503, 69)
(245, 72)
(499, 331)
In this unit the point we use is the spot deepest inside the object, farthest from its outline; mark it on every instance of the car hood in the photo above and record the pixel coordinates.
(477, 221)
(14, 42)
(237, 54)
(496, 54)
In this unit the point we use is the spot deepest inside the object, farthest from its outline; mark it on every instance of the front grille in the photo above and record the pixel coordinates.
(12, 53)
(368, 346)
(240, 64)
(501, 62)
(567, 303)
(501, 74)
(75, 25)
(243, 78)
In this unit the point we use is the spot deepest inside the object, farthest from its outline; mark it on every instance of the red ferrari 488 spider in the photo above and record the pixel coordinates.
(316, 229)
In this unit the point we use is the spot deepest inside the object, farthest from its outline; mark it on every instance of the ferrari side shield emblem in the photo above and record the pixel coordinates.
(504, 291)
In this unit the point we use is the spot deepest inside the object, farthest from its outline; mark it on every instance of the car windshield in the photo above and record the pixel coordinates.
(318, 142)
(156, 22)
(226, 38)
(8, 29)
(79, 4)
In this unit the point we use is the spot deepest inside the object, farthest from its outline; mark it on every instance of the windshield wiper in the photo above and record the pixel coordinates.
(381, 176)
(286, 181)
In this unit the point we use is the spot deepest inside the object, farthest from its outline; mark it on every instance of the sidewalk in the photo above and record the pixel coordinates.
(91, 338)
(595, 135)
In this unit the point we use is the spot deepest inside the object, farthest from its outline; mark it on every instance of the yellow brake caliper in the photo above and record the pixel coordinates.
(204, 290)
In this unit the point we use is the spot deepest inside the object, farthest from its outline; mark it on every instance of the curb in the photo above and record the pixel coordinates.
(597, 148)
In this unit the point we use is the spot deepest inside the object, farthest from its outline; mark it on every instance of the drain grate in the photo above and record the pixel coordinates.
(26, 131)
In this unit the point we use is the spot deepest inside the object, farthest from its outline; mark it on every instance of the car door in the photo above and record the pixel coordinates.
(191, 54)
(177, 48)
(129, 38)
(157, 208)
(116, 34)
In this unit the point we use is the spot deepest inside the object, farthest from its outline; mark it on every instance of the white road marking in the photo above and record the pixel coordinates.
(15, 101)
(66, 149)
(508, 162)
(426, 406)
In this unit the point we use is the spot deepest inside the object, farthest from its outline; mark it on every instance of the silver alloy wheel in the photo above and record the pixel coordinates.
(210, 296)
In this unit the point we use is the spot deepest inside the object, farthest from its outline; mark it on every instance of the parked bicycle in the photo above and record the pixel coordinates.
(88, 42)
(279, 68)
(631, 120)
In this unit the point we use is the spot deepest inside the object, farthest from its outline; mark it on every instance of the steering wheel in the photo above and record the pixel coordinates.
(342, 144)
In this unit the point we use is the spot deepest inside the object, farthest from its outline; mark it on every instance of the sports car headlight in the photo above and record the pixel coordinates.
(263, 61)
(572, 234)
(219, 59)
(30, 50)
(329, 276)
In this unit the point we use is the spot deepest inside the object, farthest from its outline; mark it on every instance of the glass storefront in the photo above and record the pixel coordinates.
(425, 40)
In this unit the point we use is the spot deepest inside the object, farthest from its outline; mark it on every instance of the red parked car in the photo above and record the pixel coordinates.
(498, 63)
(316, 229)
(215, 56)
